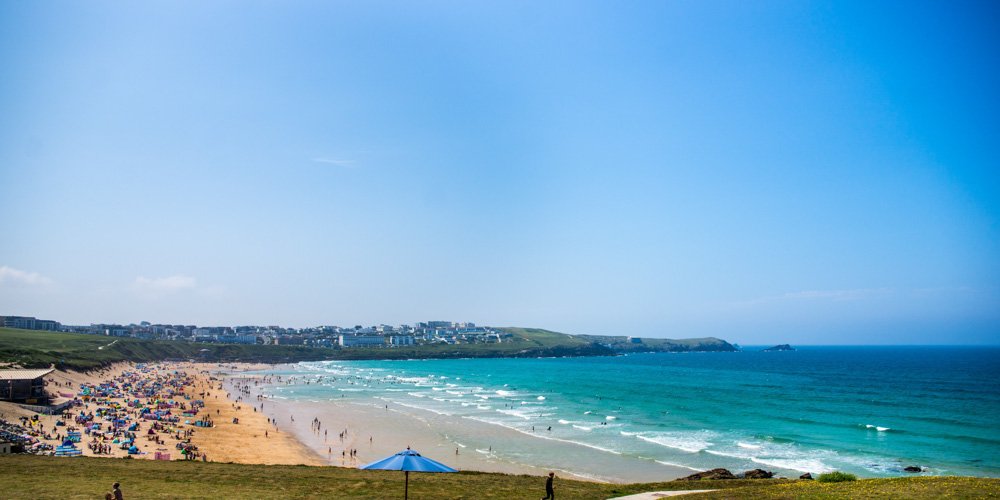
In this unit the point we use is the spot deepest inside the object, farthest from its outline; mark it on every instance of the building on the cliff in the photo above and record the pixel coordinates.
(361, 340)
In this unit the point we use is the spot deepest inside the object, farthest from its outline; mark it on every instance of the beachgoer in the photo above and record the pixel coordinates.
(549, 492)
(116, 489)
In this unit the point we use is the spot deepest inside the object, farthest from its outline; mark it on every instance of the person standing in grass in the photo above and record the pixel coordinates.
(549, 492)
(116, 489)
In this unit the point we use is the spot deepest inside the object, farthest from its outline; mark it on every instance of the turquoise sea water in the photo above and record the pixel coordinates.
(866, 410)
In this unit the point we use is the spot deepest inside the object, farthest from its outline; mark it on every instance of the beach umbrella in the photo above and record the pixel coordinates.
(407, 461)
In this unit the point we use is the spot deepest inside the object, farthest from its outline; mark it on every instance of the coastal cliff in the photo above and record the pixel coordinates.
(622, 344)
(31, 348)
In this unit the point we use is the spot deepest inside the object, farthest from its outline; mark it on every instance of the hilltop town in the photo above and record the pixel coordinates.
(422, 333)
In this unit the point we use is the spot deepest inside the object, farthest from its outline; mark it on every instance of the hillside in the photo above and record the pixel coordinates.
(71, 478)
(624, 344)
(34, 348)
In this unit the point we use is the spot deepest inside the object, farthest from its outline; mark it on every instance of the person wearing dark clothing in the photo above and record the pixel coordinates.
(116, 489)
(549, 493)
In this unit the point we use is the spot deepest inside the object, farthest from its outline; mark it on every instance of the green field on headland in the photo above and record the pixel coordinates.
(35, 348)
(86, 478)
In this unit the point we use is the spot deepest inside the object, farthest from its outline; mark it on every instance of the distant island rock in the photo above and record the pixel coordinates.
(782, 347)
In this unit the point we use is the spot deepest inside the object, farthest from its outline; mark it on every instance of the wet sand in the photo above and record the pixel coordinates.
(377, 428)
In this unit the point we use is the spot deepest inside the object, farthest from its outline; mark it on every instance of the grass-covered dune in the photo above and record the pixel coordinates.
(35, 477)
(34, 348)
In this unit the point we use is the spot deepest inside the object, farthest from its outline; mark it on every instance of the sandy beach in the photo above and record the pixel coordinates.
(249, 425)
(353, 431)
(347, 434)
(248, 431)
(239, 434)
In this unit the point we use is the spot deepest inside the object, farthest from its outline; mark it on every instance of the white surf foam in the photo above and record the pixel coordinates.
(671, 464)
(799, 464)
(678, 441)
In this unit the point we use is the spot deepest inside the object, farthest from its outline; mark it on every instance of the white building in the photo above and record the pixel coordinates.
(401, 340)
(361, 340)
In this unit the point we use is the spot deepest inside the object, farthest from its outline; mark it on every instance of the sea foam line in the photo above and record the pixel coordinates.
(550, 438)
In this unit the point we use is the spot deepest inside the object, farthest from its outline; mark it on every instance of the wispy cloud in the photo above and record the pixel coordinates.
(168, 284)
(337, 161)
(838, 295)
(855, 294)
(9, 275)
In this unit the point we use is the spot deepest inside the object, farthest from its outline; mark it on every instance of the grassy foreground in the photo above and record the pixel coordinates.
(71, 478)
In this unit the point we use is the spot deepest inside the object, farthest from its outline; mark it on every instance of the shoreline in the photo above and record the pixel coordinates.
(373, 433)
(378, 428)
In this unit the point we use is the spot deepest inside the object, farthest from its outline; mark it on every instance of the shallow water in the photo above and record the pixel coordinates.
(865, 410)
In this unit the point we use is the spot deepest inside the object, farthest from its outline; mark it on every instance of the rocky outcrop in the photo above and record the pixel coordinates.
(758, 474)
(913, 468)
(709, 474)
(806, 476)
(782, 347)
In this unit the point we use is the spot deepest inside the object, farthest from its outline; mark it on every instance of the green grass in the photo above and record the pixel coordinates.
(898, 488)
(35, 349)
(622, 344)
(523, 343)
(836, 477)
(31, 477)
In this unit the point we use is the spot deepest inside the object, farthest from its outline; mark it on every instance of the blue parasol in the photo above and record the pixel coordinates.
(406, 461)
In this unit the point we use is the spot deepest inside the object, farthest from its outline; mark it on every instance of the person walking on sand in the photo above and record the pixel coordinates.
(116, 489)
(549, 492)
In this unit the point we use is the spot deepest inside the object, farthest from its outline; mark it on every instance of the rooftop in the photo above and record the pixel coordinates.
(24, 374)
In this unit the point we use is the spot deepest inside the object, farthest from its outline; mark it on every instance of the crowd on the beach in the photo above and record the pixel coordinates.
(148, 402)
(244, 386)
(26, 436)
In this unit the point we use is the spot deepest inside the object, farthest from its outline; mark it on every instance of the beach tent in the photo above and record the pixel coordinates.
(406, 461)
(68, 449)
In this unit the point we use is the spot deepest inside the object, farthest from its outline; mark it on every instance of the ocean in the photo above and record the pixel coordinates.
(870, 411)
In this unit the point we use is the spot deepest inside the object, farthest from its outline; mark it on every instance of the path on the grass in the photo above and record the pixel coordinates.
(653, 495)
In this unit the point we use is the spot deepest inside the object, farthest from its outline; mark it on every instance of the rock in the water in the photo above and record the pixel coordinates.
(709, 474)
(913, 468)
(806, 476)
(782, 347)
(758, 474)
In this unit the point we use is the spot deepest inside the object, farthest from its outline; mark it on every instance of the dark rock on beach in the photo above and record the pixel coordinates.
(758, 474)
(913, 468)
(806, 476)
(782, 347)
(709, 474)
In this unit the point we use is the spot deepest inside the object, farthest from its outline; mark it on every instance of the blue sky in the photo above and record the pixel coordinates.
(809, 172)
